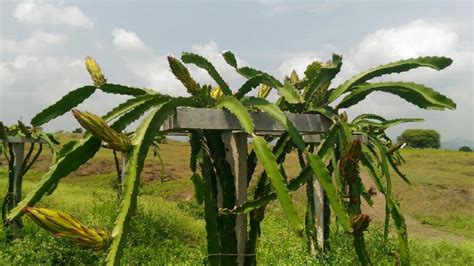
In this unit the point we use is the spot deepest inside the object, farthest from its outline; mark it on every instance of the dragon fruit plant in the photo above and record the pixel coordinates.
(334, 162)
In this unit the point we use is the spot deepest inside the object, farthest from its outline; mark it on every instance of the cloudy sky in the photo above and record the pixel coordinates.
(43, 44)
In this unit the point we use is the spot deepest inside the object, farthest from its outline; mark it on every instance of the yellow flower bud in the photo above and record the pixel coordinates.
(216, 93)
(264, 91)
(183, 75)
(65, 225)
(294, 77)
(97, 127)
(95, 72)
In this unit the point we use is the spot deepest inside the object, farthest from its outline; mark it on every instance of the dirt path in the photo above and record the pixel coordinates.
(415, 227)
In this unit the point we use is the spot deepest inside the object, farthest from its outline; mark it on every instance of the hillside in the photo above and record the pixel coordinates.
(169, 226)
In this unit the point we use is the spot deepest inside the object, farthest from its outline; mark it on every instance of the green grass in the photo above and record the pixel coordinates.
(443, 189)
(169, 226)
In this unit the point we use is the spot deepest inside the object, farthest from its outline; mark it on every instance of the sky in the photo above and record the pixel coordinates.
(43, 45)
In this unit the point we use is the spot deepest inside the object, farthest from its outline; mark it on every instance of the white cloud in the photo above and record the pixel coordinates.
(127, 40)
(153, 72)
(297, 62)
(27, 79)
(213, 53)
(40, 12)
(37, 41)
(7, 69)
(48, 79)
(418, 38)
(41, 70)
(281, 7)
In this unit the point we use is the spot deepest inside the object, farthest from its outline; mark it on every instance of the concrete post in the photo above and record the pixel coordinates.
(236, 155)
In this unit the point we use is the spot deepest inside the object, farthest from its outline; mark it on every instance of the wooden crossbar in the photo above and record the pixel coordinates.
(187, 118)
(19, 139)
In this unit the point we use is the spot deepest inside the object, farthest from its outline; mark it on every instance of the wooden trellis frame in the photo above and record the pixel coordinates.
(18, 149)
(235, 141)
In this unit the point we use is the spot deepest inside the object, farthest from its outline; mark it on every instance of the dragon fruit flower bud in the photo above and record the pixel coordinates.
(182, 74)
(294, 77)
(99, 128)
(65, 225)
(94, 70)
(216, 93)
(264, 91)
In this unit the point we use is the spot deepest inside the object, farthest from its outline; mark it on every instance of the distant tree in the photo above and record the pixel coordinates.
(420, 138)
(465, 148)
(78, 130)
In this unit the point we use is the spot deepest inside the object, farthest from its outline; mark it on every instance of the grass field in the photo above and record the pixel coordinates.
(169, 225)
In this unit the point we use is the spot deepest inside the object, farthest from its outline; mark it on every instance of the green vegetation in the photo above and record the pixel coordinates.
(420, 138)
(446, 180)
(334, 162)
(18, 168)
(78, 130)
(169, 226)
(465, 149)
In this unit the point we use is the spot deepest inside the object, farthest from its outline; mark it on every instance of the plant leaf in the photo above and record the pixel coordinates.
(401, 230)
(236, 108)
(123, 90)
(229, 57)
(324, 178)
(368, 116)
(279, 116)
(210, 211)
(289, 92)
(416, 94)
(326, 74)
(393, 122)
(434, 62)
(75, 157)
(79, 155)
(268, 160)
(395, 168)
(368, 162)
(249, 85)
(293, 185)
(64, 105)
(126, 106)
(190, 58)
(142, 140)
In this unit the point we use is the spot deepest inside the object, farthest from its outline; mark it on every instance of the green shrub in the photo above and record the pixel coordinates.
(465, 148)
(78, 130)
(420, 138)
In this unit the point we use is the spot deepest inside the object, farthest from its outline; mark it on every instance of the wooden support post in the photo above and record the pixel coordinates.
(18, 151)
(319, 215)
(236, 155)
